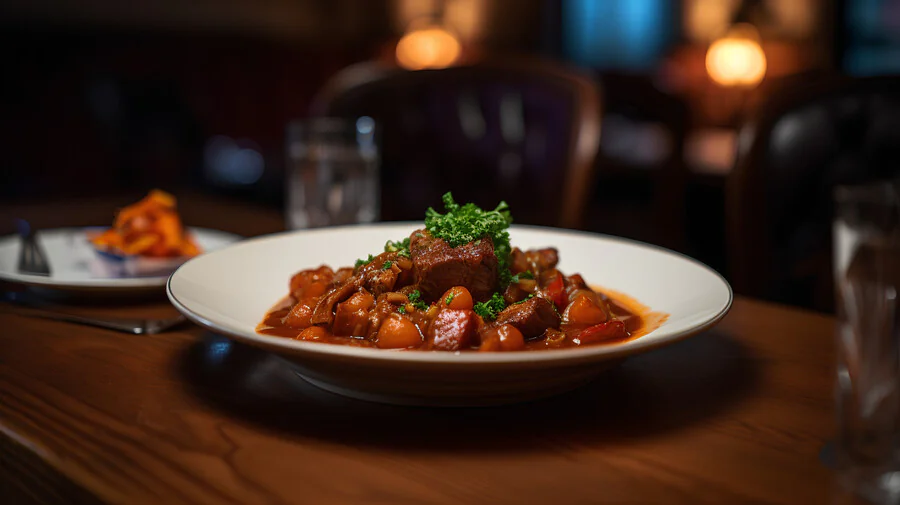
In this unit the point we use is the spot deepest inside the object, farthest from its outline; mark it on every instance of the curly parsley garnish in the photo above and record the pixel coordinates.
(415, 298)
(401, 247)
(469, 223)
(387, 265)
(401, 309)
(490, 308)
(360, 262)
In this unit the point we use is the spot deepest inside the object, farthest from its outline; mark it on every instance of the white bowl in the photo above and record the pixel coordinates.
(230, 290)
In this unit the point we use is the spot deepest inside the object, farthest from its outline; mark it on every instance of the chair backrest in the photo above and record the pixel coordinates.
(804, 141)
(641, 162)
(524, 132)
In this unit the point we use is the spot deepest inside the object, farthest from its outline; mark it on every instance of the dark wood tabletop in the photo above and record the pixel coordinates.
(737, 414)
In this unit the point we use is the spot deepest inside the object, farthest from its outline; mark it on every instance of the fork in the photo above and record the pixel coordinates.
(31, 258)
(33, 307)
(133, 326)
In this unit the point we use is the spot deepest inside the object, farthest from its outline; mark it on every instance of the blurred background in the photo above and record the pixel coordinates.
(102, 97)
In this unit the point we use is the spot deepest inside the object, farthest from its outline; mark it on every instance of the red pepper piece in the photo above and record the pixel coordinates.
(610, 330)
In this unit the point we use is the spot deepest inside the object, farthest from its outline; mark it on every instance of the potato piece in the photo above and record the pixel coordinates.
(505, 337)
(313, 333)
(398, 332)
(583, 311)
(300, 314)
(460, 298)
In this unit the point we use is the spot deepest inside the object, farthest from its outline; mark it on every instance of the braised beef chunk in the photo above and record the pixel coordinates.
(574, 282)
(386, 272)
(513, 294)
(438, 267)
(377, 263)
(533, 260)
(342, 275)
(542, 259)
(530, 317)
(381, 281)
(517, 261)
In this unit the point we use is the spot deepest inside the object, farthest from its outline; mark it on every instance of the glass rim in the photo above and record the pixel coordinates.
(327, 124)
(326, 121)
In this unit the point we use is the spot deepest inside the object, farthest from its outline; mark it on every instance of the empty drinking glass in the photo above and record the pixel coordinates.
(867, 274)
(332, 172)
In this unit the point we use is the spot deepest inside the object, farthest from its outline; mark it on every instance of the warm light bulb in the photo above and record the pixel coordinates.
(432, 47)
(737, 59)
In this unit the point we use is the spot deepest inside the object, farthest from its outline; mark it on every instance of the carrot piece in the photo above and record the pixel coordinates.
(397, 332)
(583, 311)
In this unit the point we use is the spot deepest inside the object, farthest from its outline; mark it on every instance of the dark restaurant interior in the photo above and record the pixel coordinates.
(718, 129)
(100, 99)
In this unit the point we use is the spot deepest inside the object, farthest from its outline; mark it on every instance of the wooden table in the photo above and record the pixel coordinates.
(737, 414)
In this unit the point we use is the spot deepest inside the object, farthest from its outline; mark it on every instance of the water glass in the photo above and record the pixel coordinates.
(867, 274)
(332, 172)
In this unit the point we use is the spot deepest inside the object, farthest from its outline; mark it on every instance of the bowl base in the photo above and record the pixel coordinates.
(450, 400)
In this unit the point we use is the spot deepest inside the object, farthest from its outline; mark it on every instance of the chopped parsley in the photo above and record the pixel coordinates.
(521, 275)
(415, 298)
(490, 308)
(387, 265)
(529, 297)
(448, 299)
(401, 309)
(401, 247)
(360, 262)
(469, 223)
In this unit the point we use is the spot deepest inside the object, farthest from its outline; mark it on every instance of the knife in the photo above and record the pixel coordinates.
(32, 259)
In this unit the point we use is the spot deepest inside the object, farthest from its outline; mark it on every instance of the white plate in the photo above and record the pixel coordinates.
(71, 257)
(229, 291)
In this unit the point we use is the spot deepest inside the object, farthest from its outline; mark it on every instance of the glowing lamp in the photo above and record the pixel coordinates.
(737, 59)
(430, 47)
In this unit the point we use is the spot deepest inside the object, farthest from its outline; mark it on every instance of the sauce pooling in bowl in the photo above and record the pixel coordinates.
(637, 319)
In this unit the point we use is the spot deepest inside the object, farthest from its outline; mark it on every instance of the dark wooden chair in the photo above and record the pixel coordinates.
(522, 131)
(805, 139)
(641, 176)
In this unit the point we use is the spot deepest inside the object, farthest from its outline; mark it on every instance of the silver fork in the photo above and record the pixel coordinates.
(32, 259)
(133, 326)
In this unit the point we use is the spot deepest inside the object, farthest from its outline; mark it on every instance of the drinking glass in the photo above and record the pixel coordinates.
(867, 275)
(332, 172)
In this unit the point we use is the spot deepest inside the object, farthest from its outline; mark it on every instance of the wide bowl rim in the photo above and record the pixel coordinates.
(320, 351)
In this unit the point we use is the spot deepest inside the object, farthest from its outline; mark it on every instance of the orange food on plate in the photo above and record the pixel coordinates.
(150, 227)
